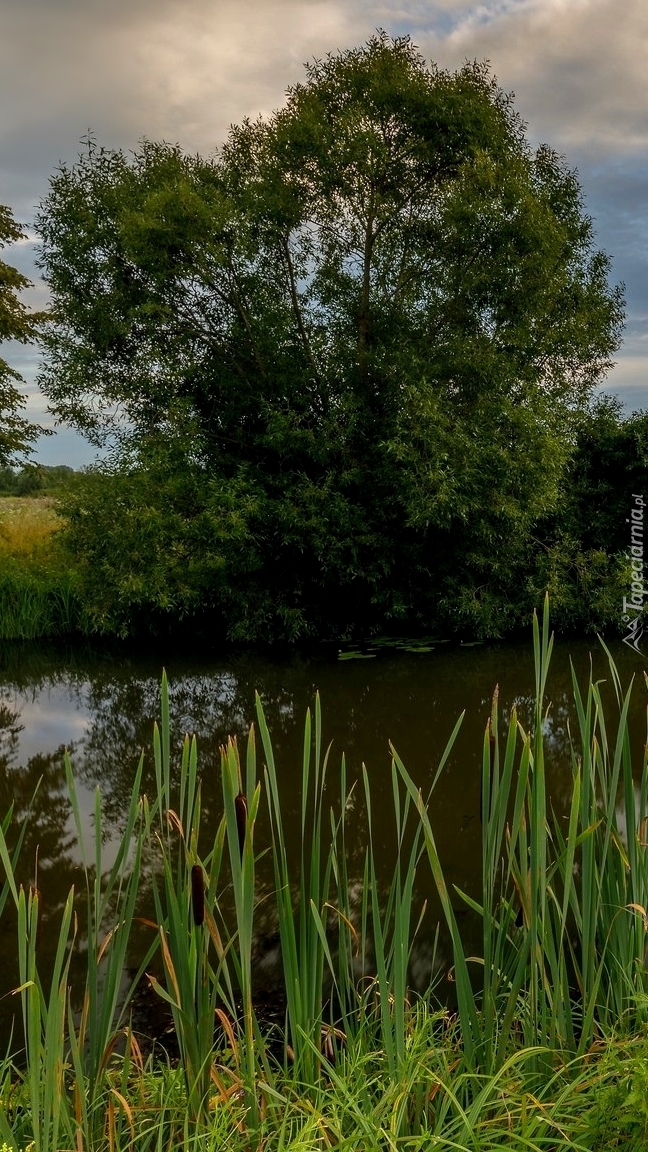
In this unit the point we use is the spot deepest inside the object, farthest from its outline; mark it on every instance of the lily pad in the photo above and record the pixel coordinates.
(356, 655)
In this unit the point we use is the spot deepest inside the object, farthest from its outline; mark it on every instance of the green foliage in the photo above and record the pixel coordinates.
(151, 547)
(158, 545)
(372, 321)
(584, 564)
(608, 465)
(36, 480)
(618, 1116)
(16, 323)
(586, 586)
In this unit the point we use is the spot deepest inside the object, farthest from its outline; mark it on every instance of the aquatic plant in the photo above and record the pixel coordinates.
(563, 913)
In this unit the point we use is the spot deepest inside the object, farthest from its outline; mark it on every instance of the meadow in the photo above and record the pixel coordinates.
(26, 523)
(37, 584)
(541, 1045)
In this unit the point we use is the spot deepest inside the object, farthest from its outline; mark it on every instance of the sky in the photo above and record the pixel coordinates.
(184, 70)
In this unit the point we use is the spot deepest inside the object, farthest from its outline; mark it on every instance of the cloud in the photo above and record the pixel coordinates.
(578, 67)
(233, 59)
(128, 68)
(627, 380)
(133, 68)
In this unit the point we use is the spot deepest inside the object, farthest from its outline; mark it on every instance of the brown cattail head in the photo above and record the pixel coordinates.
(491, 738)
(36, 896)
(240, 805)
(197, 894)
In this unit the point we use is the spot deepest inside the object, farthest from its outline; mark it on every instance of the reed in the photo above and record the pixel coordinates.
(67, 1055)
(111, 897)
(564, 910)
(44, 1024)
(301, 900)
(342, 964)
(208, 960)
(563, 914)
(241, 803)
(191, 987)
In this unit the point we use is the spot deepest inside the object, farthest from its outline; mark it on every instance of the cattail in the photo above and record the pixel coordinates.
(197, 895)
(240, 805)
(36, 898)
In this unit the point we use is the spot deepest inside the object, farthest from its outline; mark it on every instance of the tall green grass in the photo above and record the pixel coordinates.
(66, 1056)
(561, 966)
(35, 603)
(564, 911)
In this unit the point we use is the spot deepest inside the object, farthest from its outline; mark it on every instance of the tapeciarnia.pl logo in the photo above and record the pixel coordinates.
(633, 605)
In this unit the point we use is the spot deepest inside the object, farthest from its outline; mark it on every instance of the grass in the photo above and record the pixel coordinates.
(593, 1104)
(26, 523)
(37, 585)
(546, 1049)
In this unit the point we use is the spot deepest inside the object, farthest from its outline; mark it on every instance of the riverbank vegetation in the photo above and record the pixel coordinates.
(38, 587)
(346, 370)
(114, 552)
(536, 1039)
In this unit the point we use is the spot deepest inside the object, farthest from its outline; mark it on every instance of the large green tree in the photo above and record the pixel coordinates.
(375, 314)
(16, 323)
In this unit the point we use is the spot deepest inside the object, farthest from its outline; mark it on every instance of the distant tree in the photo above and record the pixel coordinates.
(44, 479)
(7, 481)
(375, 313)
(16, 323)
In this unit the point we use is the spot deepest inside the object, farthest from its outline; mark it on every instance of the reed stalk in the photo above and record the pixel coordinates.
(240, 817)
(111, 902)
(192, 986)
(44, 1016)
(301, 900)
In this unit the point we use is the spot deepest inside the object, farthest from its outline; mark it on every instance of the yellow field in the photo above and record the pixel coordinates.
(26, 522)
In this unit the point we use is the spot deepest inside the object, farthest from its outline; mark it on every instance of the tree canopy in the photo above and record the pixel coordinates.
(16, 323)
(369, 323)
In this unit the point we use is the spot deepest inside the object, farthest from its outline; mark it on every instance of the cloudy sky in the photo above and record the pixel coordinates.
(184, 70)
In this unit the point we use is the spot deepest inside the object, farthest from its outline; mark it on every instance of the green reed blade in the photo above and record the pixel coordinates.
(250, 765)
(243, 886)
(465, 997)
(8, 862)
(44, 1020)
(301, 949)
(165, 739)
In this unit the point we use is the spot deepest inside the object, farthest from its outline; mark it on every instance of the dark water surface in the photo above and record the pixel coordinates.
(102, 706)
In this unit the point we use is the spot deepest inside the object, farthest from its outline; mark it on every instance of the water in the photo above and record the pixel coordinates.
(101, 705)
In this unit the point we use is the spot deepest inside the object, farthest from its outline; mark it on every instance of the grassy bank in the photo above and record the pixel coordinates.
(593, 1105)
(545, 1047)
(37, 585)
